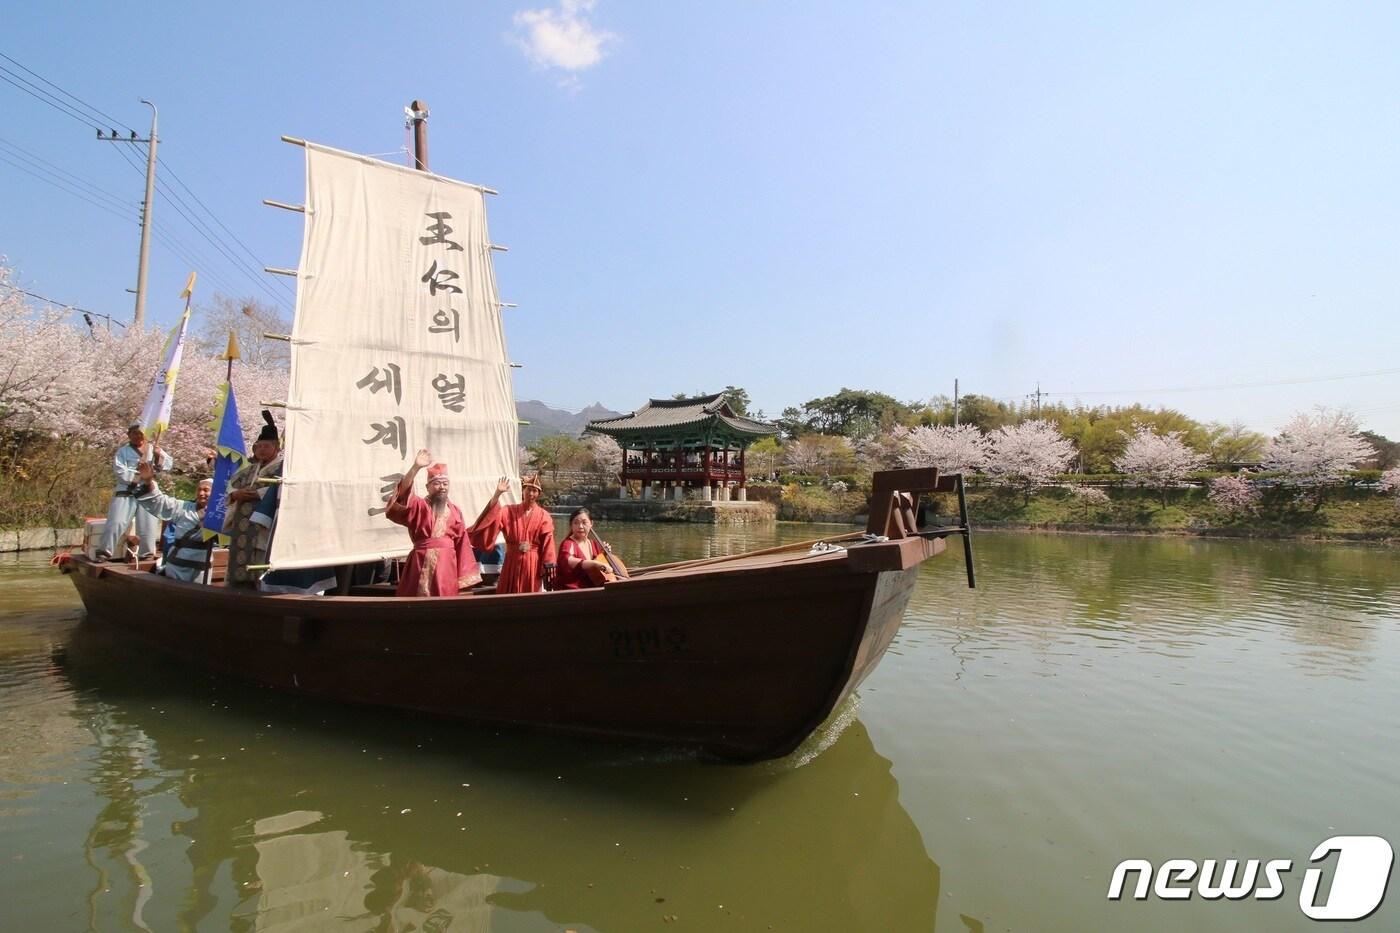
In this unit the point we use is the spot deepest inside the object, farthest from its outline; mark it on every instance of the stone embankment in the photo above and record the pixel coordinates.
(689, 510)
(40, 539)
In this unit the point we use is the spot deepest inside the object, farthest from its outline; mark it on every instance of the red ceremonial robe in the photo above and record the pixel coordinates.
(529, 540)
(441, 563)
(574, 578)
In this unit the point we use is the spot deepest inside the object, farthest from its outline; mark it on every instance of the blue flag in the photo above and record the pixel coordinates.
(231, 455)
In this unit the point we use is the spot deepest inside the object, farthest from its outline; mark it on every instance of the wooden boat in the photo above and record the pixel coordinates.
(741, 658)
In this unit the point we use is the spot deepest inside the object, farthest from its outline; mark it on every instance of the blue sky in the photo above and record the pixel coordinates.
(1110, 200)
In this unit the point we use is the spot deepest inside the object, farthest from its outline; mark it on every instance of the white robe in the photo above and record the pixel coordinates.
(122, 508)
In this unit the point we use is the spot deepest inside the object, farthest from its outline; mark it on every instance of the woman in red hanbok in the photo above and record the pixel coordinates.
(529, 532)
(577, 553)
(441, 562)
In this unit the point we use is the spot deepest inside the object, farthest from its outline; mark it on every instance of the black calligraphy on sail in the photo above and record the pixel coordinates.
(397, 345)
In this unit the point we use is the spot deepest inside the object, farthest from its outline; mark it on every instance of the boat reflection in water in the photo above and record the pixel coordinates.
(294, 815)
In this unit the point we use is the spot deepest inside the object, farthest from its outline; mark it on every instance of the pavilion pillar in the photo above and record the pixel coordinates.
(743, 494)
(646, 490)
(706, 492)
(680, 492)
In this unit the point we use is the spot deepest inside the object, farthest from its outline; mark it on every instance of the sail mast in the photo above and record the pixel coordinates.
(418, 118)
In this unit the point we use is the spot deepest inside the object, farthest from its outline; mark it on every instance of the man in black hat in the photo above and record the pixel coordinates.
(248, 526)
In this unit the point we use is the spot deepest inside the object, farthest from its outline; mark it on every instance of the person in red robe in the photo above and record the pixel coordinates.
(577, 554)
(441, 563)
(529, 531)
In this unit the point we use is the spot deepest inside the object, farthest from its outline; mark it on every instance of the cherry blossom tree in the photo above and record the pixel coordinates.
(1158, 460)
(1027, 455)
(1317, 449)
(1233, 494)
(818, 453)
(1090, 495)
(607, 456)
(1089, 499)
(1390, 482)
(961, 449)
(882, 451)
(63, 380)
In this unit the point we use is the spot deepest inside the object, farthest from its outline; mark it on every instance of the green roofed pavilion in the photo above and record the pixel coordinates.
(695, 443)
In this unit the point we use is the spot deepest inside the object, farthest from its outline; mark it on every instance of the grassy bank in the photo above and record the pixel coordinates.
(1281, 513)
(1340, 512)
(56, 483)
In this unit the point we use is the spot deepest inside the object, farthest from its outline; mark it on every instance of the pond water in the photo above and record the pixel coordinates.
(1095, 699)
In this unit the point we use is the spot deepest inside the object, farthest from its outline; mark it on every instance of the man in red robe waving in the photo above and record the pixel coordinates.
(441, 563)
(529, 532)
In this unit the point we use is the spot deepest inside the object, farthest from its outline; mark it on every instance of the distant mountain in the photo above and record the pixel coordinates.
(545, 420)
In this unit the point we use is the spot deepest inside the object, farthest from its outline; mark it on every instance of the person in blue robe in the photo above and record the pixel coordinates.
(187, 557)
(122, 508)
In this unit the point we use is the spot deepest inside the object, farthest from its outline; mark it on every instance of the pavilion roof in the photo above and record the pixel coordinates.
(683, 420)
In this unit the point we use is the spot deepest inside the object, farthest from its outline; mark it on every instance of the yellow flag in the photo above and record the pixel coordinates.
(189, 287)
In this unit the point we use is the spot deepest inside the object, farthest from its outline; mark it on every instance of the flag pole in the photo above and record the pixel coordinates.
(231, 354)
(187, 294)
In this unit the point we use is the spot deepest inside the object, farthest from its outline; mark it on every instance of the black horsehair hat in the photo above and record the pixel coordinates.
(269, 430)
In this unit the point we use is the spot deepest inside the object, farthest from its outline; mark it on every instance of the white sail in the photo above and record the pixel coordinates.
(397, 345)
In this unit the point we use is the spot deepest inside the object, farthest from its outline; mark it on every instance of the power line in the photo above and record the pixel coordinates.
(45, 165)
(9, 77)
(184, 210)
(172, 197)
(62, 305)
(251, 255)
(183, 251)
(62, 187)
(73, 97)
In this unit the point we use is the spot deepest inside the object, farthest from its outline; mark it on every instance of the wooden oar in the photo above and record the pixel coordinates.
(705, 561)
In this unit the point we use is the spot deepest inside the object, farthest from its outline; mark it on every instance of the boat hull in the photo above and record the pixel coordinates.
(742, 663)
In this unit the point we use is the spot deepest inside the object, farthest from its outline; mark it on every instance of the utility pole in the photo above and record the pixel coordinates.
(1036, 395)
(417, 114)
(144, 261)
(955, 403)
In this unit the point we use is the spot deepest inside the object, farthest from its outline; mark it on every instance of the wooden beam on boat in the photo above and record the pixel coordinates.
(275, 271)
(499, 248)
(271, 336)
(299, 208)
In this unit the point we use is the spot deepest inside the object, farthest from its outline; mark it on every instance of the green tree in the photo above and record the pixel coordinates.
(1387, 451)
(738, 400)
(1235, 443)
(556, 452)
(854, 413)
(763, 456)
(986, 413)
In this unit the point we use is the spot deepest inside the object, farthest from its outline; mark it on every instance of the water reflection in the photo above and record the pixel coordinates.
(302, 816)
(1169, 595)
(1094, 699)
